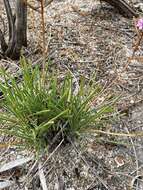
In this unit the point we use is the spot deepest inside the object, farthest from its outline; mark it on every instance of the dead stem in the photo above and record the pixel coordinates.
(137, 45)
(43, 38)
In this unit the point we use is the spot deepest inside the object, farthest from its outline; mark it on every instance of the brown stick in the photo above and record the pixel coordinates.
(123, 7)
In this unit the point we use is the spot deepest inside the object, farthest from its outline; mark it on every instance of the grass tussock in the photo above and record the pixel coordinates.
(41, 113)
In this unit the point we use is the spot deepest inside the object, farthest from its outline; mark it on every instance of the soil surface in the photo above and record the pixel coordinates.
(86, 38)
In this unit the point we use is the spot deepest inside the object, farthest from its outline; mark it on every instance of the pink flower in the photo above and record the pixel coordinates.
(140, 24)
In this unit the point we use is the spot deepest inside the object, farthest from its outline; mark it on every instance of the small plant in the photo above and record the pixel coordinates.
(41, 113)
(139, 32)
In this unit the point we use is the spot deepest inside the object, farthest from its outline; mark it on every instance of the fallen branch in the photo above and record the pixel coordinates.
(123, 7)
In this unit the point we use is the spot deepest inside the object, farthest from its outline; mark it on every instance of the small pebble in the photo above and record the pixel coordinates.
(132, 101)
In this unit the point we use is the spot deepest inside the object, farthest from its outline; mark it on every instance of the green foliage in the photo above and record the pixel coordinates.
(35, 111)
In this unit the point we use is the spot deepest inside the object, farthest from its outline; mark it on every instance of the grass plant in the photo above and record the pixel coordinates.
(39, 113)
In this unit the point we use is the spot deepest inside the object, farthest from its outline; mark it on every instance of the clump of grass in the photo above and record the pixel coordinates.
(41, 113)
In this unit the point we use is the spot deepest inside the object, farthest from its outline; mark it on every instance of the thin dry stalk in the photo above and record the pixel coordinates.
(133, 135)
(43, 38)
(137, 44)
